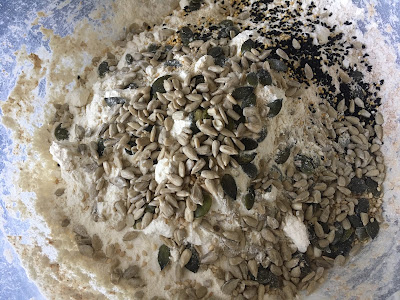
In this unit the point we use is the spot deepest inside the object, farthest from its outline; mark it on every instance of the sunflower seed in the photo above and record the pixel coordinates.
(129, 236)
(308, 72)
(228, 150)
(229, 286)
(190, 152)
(282, 54)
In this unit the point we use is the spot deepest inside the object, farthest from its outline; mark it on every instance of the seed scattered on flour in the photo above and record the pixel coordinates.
(225, 158)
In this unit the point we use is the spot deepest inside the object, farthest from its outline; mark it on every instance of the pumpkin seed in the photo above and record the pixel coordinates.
(249, 144)
(150, 209)
(372, 229)
(243, 92)
(194, 5)
(277, 65)
(250, 169)
(249, 198)
(173, 63)
(339, 231)
(229, 186)
(304, 164)
(202, 210)
(282, 156)
(248, 45)
(186, 35)
(131, 86)
(218, 54)
(264, 77)
(266, 277)
(158, 85)
(153, 48)
(61, 133)
(103, 69)
(347, 234)
(252, 79)
(215, 52)
(274, 108)
(129, 59)
(111, 101)
(194, 263)
(100, 147)
(357, 186)
(372, 187)
(263, 134)
(244, 158)
(163, 256)
(251, 100)
(362, 206)
(226, 23)
(361, 234)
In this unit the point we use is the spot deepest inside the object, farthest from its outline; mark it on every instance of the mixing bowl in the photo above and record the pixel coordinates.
(372, 274)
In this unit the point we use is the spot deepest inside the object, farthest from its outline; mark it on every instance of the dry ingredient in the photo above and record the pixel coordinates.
(249, 151)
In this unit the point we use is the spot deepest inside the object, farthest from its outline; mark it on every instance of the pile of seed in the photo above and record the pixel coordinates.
(336, 195)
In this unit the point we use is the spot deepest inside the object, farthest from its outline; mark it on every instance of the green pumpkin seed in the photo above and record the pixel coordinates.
(277, 65)
(111, 101)
(129, 59)
(251, 100)
(186, 35)
(362, 206)
(282, 156)
(250, 169)
(198, 79)
(228, 184)
(248, 45)
(163, 256)
(150, 209)
(249, 198)
(252, 78)
(100, 147)
(158, 85)
(215, 52)
(194, 263)
(264, 77)
(131, 86)
(61, 133)
(263, 134)
(103, 69)
(249, 144)
(243, 92)
(357, 186)
(244, 158)
(202, 210)
(356, 75)
(173, 63)
(194, 5)
(347, 234)
(153, 48)
(266, 277)
(274, 108)
(226, 23)
(355, 221)
(372, 229)
(239, 111)
(339, 231)
(361, 234)
(194, 116)
(305, 164)
(231, 124)
(372, 187)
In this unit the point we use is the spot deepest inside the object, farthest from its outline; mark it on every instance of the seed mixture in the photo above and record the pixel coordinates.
(245, 145)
